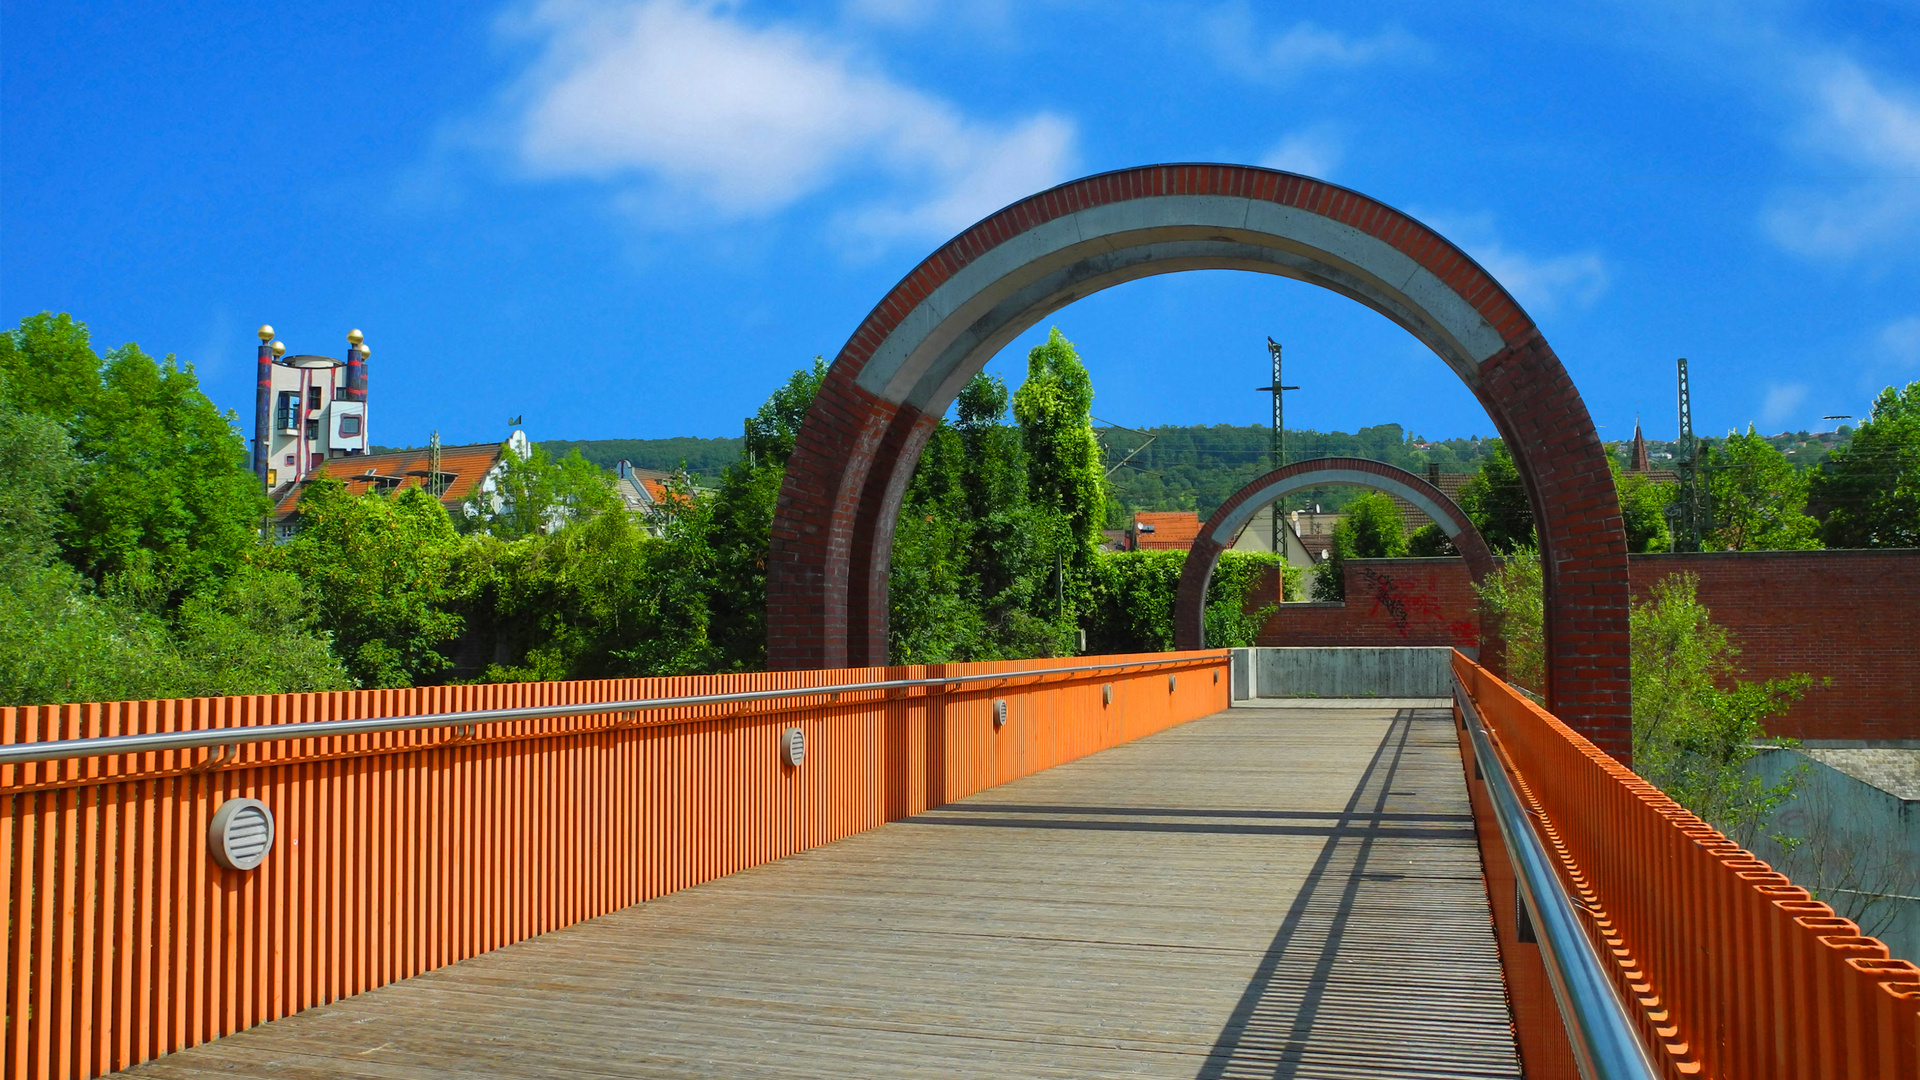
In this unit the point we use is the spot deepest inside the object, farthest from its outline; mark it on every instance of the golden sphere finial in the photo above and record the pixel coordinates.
(366, 350)
(279, 348)
(265, 332)
(355, 337)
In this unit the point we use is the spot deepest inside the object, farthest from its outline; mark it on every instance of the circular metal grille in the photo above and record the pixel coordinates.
(240, 834)
(999, 711)
(793, 746)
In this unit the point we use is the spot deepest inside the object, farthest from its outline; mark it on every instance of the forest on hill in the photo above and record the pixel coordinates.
(1177, 467)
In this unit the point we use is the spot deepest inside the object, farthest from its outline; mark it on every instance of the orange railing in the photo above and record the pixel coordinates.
(1728, 968)
(400, 851)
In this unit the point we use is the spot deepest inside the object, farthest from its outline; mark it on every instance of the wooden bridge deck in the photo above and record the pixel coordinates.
(1260, 893)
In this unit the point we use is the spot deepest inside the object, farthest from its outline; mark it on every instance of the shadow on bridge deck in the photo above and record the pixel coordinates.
(1291, 893)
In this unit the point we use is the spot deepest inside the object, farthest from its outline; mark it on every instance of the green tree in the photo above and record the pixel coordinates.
(1870, 489)
(1430, 541)
(1497, 502)
(534, 493)
(1759, 498)
(1133, 594)
(1013, 540)
(1054, 407)
(50, 367)
(1696, 724)
(388, 572)
(740, 521)
(1510, 600)
(1371, 528)
(1643, 509)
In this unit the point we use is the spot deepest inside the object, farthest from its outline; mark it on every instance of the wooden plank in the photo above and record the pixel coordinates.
(1292, 892)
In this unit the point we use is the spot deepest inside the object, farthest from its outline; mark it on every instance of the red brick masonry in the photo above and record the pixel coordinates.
(1850, 616)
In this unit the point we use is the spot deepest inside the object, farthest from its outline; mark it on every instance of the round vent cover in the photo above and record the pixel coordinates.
(999, 711)
(1106, 694)
(1172, 681)
(240, 834)
(793, 747)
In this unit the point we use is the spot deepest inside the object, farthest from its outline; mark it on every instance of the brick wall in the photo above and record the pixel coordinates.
(1852, 616)
(1848, 615)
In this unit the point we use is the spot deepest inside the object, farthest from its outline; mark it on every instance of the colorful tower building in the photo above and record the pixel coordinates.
(308, 409)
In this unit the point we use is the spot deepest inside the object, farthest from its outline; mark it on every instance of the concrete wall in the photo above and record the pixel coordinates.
(1337, 672)
(1859, 849)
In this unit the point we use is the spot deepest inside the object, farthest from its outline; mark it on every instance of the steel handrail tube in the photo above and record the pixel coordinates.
(1605, 1044)
(101, 746)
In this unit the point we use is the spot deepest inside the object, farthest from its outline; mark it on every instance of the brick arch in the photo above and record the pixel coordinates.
(833, 524)
(1190, 603)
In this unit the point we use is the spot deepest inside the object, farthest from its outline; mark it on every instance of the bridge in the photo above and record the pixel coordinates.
(1098, 866)
(1102, 865)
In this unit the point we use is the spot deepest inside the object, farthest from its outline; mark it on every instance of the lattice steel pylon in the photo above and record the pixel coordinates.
(1277, 447)
(1692, 511)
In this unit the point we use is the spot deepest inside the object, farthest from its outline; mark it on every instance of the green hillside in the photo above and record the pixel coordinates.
(704, 458)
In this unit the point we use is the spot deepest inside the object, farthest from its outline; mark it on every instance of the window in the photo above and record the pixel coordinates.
(286, 415)
(313, 430)
(289, 459)
(313, 397)
(350, 426)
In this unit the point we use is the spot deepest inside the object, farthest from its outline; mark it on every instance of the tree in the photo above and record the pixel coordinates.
(1496, 501)
(740, 522)
(1371, 528)
(1430, 541)
(534, 493)
(388, 571)
(1054, 407)
(1870, 488)
(1696, 724)
(1643, 509)
(1759, 498)
(1510, 600)
(50, 367)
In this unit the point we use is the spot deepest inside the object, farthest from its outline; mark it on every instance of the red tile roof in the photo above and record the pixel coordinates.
(1173, 530)
(462, 467)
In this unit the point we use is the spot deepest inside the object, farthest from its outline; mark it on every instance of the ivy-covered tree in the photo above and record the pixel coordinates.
(1497, 502)
(741, 520)
(1759, 498)
(1371, 528)
(1054, 407)
(1869, 491)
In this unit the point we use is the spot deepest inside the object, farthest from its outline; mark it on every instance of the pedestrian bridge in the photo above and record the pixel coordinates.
(1091, 867)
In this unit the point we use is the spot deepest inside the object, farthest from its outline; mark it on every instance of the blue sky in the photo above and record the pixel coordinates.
(632, 219)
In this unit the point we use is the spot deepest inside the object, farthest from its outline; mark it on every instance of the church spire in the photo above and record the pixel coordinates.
(1638, 462)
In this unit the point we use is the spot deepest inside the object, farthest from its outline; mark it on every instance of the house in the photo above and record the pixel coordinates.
(640, 489)
(453, 473)
(1172, 530)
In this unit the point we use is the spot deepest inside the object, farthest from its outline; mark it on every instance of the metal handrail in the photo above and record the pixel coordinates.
(1605, 1044)
(98, 746)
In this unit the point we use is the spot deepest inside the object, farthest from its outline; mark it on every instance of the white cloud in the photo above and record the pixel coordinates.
(1300, 49)
(1900, 340)
(697, 106)
(1782, 401)
(1543, 284)
(1863, 125)
(1315, 153)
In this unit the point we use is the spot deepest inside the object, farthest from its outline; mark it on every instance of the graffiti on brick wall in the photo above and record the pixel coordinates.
(1402, 603)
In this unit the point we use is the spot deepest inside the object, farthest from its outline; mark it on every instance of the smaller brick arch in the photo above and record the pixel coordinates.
(1190, 604)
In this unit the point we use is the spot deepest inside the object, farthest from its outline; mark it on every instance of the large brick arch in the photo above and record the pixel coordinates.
(903, 366)
(1218, 534)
